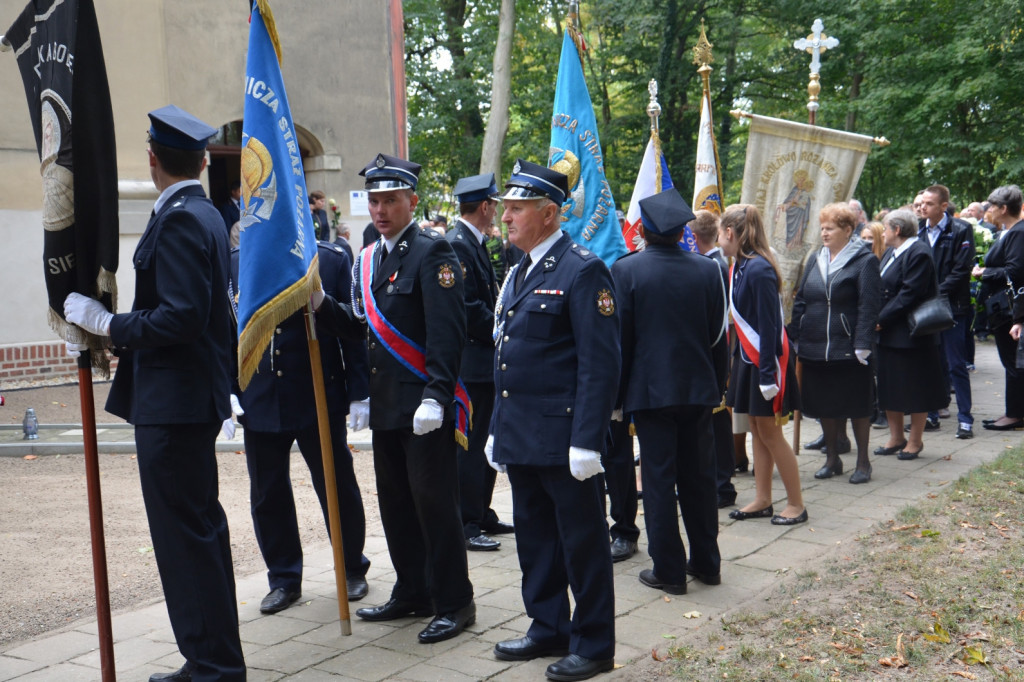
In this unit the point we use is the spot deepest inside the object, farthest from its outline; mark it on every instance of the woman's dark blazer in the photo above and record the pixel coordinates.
(907, 283)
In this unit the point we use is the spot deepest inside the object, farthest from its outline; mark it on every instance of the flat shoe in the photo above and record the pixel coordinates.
(182, 674)
(482, 543)
(278, 600)
(393, 609)
(828, 472)
(527, 649)
(1012, 426)
(779, 520)
(575, 667)
(356, 587)
(448, 625)
(905, 455)
(890, 451)
(648, 578)
(859, 476)
(759, 514)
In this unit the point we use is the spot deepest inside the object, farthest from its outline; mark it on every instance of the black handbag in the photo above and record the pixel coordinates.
(999, 307)
(930, 317)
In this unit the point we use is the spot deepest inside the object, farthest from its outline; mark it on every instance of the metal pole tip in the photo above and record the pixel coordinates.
(5, 45)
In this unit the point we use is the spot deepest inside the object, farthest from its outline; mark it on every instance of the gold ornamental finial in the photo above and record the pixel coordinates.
(702, 50)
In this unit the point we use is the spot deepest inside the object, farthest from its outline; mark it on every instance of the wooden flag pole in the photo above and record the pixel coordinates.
(99, 548)
(330, 482)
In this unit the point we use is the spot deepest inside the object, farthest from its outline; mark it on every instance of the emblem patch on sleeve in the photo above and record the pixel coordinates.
(446, 276)
(605, 303)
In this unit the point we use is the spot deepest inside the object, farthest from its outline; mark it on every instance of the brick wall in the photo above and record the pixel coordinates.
(40, 360)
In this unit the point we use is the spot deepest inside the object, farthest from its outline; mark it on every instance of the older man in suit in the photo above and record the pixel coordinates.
(173, 383)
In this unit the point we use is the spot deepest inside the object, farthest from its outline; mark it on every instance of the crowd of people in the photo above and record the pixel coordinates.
(468, 357)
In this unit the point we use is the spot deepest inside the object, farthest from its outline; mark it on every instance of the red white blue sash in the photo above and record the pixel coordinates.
(750, 343)
(405, 350)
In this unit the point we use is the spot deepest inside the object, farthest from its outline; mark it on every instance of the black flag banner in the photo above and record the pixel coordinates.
(57, 44)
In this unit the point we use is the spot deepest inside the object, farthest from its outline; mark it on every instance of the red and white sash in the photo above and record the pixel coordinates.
(750, 343)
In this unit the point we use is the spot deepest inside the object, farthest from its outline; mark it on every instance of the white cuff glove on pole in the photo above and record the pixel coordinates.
(236, 407)
(359, 414)
(75, 349)
(862, 355)
(317, 297)
(87, 313)
(584, 463)
(769, 391)
(617, 415)
(489, 453)
(428, 417)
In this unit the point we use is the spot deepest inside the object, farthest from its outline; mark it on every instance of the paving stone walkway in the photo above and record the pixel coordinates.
(304, 643)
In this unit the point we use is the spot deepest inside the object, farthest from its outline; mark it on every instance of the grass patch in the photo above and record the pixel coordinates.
(936, 594)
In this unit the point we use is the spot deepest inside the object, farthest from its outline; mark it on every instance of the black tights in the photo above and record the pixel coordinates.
(832, 428)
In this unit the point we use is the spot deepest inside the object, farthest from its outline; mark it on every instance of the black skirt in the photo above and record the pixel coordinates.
(744, 394)
(912, 380)
(837, 390)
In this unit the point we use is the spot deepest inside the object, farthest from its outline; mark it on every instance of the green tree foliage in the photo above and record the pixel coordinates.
(943, 83)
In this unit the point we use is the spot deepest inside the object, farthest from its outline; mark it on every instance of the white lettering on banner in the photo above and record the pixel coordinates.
(53, 52)
(301, 210)
(261, 91)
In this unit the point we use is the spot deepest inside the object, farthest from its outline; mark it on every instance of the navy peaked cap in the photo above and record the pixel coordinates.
(533, 181)
(387, 173)
(665, 213)
(174, 127)
(476, 188)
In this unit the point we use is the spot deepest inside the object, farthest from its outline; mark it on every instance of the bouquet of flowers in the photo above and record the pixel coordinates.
(335, 212)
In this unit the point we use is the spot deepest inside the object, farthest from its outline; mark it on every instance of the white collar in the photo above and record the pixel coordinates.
(169, 192)
(393, 242)
(942, 223)
(472, 228)
(538, 252)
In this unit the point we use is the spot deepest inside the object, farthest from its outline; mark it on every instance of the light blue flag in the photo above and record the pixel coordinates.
(277, 268)
(588, 215)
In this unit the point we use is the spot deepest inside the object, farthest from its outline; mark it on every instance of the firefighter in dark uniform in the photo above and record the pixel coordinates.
(416, 318)
(672, 304)
(173, 383)
(279, 409)
(556, 371)
(477, 197)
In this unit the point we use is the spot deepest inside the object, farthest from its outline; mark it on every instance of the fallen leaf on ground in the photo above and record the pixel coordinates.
(910, 527)
(947, 458)
(930, 533)
(666, 599)
(807, 659)
(30, 457)
(973, 655)
(911, 595)
(899, 660)
(658, 657)
(966, 675)
(940, 634)
(691, 614)
(669, 636)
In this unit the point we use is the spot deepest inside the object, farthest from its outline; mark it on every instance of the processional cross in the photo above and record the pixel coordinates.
(814, 44)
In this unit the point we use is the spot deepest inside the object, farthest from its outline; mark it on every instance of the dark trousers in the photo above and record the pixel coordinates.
(178, 471)
(620, 481)
(677, 452)
(268, 456)
(562, 541)
(418, 493)
(476, 477)
(1014, 392)
(725, 455)
(954, 343)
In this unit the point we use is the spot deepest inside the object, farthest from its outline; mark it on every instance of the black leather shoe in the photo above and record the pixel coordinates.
(357, 587)
(1010, 426)
(964, 433)
(724, 502)
(705, 578)
(182, 674)
(278, 600)
(816, 444)
(780, 520)
(759, 514)
(859, 476)
(498, 528)
(743, 468)
(622, 549)
(526, 649)
(648, 578)
(448, 625)
(482, 543)
(905, 455)
(890, 451)
(393, 609)
(829, 471)
(575, 667)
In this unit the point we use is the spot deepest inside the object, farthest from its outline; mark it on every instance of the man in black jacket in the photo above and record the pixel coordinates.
(952, 246)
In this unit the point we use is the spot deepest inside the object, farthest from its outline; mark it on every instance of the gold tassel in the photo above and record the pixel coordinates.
(461, 439)
(782, 419)
(268, 21)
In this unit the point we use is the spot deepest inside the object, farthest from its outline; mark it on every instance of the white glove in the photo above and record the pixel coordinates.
(617, 415)
(227, 429)
(428, 417)
(317, 297)
(75, 349)
(87, 313)
(236, 407)
(769, 391)
(862, 355)
(359, 414)
(584, 463)
(489, 453)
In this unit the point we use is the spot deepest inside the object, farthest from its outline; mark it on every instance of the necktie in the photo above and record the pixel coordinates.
(521, 272)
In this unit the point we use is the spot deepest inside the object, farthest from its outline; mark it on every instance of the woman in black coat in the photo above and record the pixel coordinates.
(833, 325)
(1004, 263)
(910, 370)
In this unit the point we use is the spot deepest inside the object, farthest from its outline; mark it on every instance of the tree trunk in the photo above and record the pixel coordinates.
(501, 92)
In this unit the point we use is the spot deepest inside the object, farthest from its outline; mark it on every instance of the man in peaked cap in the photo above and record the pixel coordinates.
(478, 200)
(672, 304)
(556, 368)
(173, 383)
(413, 284)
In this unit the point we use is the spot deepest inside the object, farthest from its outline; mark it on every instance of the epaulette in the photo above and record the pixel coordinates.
(583, 253)
(234, 249)
(430, 233)
(330, 245)
(628, 254)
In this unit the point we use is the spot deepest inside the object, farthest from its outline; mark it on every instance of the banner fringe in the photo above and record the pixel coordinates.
(268, 22)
